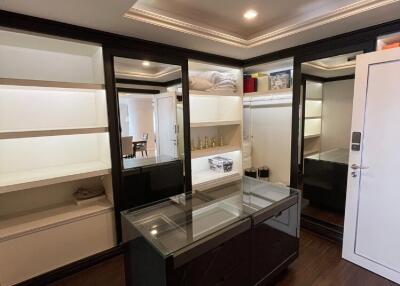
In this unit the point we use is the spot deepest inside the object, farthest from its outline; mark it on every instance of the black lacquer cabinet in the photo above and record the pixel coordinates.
(243, 233)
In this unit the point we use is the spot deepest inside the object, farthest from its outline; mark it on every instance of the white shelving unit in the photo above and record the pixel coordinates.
(313, 118)
(268, 124)
(215, 114)
(53, 139)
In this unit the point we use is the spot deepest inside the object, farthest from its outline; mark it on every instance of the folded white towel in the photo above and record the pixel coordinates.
(212, 80)
(199, 83)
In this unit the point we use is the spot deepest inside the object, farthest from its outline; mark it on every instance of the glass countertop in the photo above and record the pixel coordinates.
(179, 221)
(133, 163)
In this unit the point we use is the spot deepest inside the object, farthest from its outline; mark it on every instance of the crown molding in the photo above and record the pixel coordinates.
(330, 67)
(157, 19)
(148, 75)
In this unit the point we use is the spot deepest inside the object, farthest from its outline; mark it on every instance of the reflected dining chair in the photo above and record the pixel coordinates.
(142, 147)
(127, 148)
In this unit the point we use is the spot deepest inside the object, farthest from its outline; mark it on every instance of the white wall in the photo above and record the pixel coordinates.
(272, 129)
(140, 113)
(336, 114)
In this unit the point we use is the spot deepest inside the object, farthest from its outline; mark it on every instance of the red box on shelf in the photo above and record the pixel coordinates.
(391, 46)
(249, 85)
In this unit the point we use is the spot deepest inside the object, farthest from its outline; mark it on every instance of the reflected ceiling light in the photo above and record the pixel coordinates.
(145, 63)
(250, 14)
(153, 232)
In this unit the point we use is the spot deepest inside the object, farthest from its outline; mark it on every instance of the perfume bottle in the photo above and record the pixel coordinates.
(213, 142)
(206, 146)
(192, 146)
(199, 144)
(221, 141)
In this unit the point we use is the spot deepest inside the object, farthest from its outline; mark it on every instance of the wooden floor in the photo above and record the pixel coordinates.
(328, 216)
(319, 264)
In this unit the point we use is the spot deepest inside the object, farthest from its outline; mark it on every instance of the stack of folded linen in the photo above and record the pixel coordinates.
(212, 80)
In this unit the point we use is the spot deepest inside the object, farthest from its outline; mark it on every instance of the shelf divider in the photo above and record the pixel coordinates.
(215, 123)
(214, 151)
(51, 132)
(24, 224)
(269, 92)
(51, 84)
(15, 181)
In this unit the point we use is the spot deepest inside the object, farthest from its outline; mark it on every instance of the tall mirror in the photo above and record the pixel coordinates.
(151, 112)
(327, 101)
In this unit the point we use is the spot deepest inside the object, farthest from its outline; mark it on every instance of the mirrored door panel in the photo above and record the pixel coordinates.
(327, 89)
(150, 112)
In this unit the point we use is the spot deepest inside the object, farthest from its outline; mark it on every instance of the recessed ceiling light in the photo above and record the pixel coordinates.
(146, 63)
(250, 14)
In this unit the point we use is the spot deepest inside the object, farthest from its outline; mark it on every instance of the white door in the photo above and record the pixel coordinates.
(372, 223)
(165, 104)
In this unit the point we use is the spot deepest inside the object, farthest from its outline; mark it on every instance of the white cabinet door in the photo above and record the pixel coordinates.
(372, 223)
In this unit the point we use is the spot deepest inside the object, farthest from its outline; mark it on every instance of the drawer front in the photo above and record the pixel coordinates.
(226, 265)
(286, 221)
(275, 241)
(27, 256)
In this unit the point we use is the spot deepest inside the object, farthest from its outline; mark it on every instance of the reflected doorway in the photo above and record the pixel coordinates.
(327, 101)
(151, 112)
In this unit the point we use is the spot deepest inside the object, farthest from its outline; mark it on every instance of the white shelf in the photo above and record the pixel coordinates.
(12, 134)
(309, 136)
(16, 181)
(268, 100)
(313, 99)
(12, 227)
(214, 151)
(215, 123)
(50, 84)
(208, 179)
(313, 117)
(214, 93)
(269, 92)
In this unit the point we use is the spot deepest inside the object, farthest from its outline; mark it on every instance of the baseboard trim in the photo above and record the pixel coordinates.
(324, 229)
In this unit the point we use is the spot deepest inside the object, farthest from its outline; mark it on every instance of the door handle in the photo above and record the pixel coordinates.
(358, 167)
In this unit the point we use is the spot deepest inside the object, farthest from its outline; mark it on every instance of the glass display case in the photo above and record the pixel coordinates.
(188, 229)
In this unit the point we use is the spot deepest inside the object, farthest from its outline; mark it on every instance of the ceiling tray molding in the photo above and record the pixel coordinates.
(347, 11)
(147, 75)
(331, 68)
(184, 27)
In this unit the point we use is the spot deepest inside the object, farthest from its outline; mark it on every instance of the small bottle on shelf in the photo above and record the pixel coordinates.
(221, 141)
(206, 146)
(192, 145)
(213, 142)
(199, 144)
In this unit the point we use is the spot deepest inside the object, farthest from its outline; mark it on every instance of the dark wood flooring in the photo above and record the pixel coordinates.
(319, 264)
(328, 216)
(108, 273)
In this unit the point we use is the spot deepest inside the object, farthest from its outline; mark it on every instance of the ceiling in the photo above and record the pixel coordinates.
(341, 65)
(217, 26)
(156, 72)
